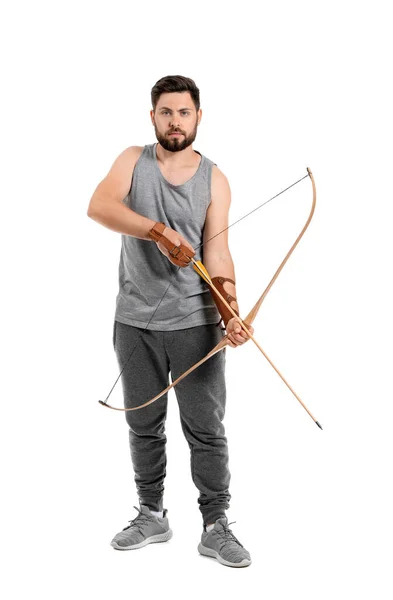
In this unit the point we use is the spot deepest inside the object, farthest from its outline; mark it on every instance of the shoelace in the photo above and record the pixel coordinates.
(142, 518)
(228, 534)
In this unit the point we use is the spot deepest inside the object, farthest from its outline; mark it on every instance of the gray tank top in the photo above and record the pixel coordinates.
(144, 272)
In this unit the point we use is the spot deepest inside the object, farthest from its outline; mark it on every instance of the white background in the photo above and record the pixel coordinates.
(284, 86)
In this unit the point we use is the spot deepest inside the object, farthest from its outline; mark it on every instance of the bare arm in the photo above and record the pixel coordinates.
(216, 254)
(106, 206)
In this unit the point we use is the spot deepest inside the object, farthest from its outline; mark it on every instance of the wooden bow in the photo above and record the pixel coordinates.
(198, 267)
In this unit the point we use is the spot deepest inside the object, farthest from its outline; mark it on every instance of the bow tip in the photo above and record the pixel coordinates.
(319, 425)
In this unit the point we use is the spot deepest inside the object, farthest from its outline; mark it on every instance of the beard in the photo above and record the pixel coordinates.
(175, 144)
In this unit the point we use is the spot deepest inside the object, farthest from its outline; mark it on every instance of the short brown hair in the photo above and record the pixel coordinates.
(175, 83)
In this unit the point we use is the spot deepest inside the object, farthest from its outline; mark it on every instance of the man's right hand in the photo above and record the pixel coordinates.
(171, 238)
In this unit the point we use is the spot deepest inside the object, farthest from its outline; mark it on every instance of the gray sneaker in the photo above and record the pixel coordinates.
(220, 543)
(144, 529)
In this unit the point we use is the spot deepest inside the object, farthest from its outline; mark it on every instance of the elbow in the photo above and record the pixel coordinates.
(92, 210)
(94, 204)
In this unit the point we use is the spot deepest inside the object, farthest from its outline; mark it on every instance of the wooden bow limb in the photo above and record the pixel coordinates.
(220, 346)
(202, 271)
(249, 320)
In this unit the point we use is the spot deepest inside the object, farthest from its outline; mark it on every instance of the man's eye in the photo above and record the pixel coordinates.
(165, 112)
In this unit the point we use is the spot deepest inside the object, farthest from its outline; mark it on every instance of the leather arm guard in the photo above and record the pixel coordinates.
(218, 282)
(181, 255)
(226, 315)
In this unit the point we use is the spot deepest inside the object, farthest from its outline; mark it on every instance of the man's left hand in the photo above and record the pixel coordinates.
(236, 335)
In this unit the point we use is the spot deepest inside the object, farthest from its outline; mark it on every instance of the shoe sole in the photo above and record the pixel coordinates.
(161, 537)
(214, 554)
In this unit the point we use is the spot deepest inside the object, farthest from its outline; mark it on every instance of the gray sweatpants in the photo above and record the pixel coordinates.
(201, 398)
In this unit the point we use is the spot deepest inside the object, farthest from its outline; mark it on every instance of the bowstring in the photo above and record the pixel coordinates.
(178, 268)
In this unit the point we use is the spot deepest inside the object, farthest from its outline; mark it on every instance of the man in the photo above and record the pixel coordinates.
(167, 200)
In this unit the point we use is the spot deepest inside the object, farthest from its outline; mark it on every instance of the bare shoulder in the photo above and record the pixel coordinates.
(217, 213)
(136, 150)
(122, 169)
(124, 163)
(116, 184)
(220, 185)
(217, 175)
(132, 152)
